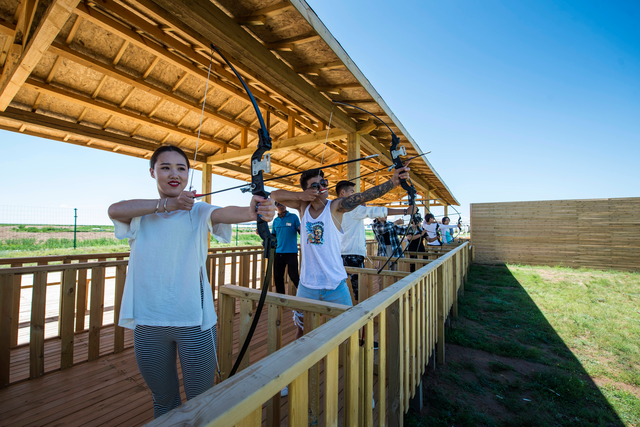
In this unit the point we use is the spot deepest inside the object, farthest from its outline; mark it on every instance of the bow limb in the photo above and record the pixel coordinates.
(260, 163)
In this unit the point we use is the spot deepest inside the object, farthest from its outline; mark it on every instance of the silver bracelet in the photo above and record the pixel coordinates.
(165, 205)
(158, 205)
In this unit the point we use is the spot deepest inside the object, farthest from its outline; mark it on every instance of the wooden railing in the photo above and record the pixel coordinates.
(410, 315)
(81, 284)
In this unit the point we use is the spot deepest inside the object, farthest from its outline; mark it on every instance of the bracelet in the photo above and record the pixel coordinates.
(158, 205)
(165, 205)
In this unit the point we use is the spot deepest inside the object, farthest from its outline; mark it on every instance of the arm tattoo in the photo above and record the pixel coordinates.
(350, 203)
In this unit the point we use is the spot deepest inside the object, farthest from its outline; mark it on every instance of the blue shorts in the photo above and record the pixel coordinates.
(339, 295)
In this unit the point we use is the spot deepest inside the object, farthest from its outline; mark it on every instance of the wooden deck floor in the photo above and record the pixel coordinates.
(108, 391)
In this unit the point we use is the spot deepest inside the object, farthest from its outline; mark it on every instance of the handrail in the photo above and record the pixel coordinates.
(289, 301)
(242, 395)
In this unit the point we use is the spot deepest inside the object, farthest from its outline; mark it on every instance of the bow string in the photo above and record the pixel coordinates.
(260, 164)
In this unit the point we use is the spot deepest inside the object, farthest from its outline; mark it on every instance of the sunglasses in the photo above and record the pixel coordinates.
(323, 183)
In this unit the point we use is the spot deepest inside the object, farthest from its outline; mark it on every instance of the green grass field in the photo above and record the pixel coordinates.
(540, 346)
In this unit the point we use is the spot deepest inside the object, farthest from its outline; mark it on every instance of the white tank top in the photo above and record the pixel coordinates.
(321, 263)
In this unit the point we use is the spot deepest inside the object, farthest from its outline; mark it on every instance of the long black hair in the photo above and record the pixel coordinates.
(164, 149)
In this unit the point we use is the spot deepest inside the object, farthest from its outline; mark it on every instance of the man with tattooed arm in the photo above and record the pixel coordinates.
(322, 275)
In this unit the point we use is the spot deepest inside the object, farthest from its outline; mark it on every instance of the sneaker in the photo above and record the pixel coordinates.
(284, 392)
(375, 345)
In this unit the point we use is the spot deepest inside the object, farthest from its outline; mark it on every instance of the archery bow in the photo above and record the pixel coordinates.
(397, 164)
(260, 163)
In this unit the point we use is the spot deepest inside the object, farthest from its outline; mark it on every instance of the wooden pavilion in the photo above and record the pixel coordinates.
(129, 75)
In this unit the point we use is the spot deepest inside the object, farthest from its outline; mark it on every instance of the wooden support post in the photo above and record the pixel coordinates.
(351, 381)
(312, 322)
(96, 311)
(17, 285)
(118, 340)
(382, 368)
(353, 152)
(6, 317)
(395, 368)
(36, 343)
(442, 312)
(298, 401)
(331, 370)
(226, 307)
(367, 395)
(81, 302)
(455, 261)
(66, 319)
(246, 317)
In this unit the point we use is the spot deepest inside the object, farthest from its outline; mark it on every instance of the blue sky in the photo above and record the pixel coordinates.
(516, 100)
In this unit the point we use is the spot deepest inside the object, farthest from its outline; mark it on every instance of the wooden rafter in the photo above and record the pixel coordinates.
(286, 144)
(22, 60)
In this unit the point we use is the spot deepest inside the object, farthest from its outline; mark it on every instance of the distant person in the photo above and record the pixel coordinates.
(386, 233)
(447, 235)
(415, 236)
(434, 230)
(286, 227)
(353, 247)
(167, 300)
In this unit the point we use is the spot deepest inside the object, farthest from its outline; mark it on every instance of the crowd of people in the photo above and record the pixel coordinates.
(167, 301)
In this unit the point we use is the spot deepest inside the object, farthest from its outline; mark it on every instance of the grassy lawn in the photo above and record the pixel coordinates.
(539, 346)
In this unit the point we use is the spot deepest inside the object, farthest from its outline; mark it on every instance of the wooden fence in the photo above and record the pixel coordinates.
(407, 315)
(600, 234)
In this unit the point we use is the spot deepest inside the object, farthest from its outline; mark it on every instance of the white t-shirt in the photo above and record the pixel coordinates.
(166, 264)
(321, 264)
(432, 231)
(354, 239)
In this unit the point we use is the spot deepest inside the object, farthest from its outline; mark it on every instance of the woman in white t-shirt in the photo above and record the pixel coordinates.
(167, 299)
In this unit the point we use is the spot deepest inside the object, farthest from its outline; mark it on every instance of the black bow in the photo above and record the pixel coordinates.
(260, 163)
(397, 164)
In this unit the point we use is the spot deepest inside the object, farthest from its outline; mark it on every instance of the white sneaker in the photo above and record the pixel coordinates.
(284, 392)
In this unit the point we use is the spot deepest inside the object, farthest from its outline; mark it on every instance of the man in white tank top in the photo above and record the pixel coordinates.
(322, 274)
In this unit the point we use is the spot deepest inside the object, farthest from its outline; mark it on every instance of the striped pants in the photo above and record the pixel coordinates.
(155, 348)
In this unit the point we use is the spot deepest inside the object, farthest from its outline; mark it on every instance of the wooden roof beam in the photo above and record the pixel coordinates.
(21, 61)
(337, 89)
(200, 55)
(72, 128)
(315, 69)
(259, 17)
(100, 19)
(201, 19)
(140, 84)
(86, 101)
(366, 127)
(285, 144)
(287, 45)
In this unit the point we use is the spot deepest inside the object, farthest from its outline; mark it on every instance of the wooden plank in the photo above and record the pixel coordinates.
(312, 322)
(395, 363)
(6, 321)
(118, 340)
(368, 376)
(298, 402)
(21, 62)
(382, 368)
(81, 303)
(67, 318)
(36, 336)
(17, 283)
(331, 371)
(253, 420)
(96, 311)
(351, 381)
(246, 317)
(274, 342)
(441, 311)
